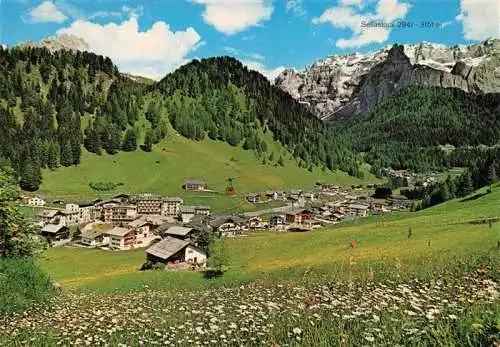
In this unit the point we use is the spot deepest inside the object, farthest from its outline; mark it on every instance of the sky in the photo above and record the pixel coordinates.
(154, 37)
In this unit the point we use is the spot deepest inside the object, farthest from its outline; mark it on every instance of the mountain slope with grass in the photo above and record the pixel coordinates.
(175, 159)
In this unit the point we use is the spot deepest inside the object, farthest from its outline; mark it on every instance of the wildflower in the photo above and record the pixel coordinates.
(369, 338)
(297, 331)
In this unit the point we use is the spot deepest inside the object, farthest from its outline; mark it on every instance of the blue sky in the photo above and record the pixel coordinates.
(153, 37)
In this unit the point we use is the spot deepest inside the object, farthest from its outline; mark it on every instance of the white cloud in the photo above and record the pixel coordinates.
(361, 24)
(240, 53)
(45, 12)
(295, 6)
(151, 53)
(480, 18)
(230, 17)
(60, 10)
(232, 51)
(256, 56)
(269, 73)
(445, 24)
(358, 3)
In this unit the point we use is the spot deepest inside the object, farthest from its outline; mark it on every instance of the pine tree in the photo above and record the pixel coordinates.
(281, 162)
(15, 234)
(130, 140)
(114, 140)
(53, 156)
(66, 153)
(492, 175)
(31, 176)
(148, 141)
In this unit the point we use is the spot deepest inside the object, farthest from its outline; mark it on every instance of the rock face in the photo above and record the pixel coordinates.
(61, 42)
(350, 85)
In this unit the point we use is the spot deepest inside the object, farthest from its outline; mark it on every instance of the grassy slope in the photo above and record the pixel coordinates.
(384, 248)
(178, 158)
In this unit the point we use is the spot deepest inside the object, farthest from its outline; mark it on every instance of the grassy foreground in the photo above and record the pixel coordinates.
(176, 159)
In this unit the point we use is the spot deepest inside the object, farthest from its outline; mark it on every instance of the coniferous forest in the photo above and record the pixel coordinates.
(53, 105)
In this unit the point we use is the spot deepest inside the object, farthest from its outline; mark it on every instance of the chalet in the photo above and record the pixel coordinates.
(357, 210)
(323, 211)
(114, 212)
(176, 253)
(202, 210)
(94, 239)
(400, 202)
(155, 221)
(49, 216)
(337, 217)
(271, 195)
(194, 185)
(309, 196)
(230, 225)
(328, 186)
(69, 217)
(121, 238)
(296, 200)
(199, 219)
(36, 201)
(148, 204)
(256, 223)
(281, 195)
(380, 206)
(254, 198)
(179, 232)
(55, 232)
(122, 198)
(188, 212)
(277, 222)
(298, 216)
(141, 226)
(351, 198)
(171, 206)
(84, 209)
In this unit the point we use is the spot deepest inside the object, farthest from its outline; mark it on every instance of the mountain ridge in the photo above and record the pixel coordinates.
(348, 85)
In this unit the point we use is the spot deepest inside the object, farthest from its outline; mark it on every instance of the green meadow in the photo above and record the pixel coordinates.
(443, 238)
(176, 159)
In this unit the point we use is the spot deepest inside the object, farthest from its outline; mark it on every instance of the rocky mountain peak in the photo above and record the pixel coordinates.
(349, 85)
(61, 42)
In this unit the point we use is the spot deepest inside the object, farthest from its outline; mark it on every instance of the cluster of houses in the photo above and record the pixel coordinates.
(405, 178)
(169, 229)
(295, 197)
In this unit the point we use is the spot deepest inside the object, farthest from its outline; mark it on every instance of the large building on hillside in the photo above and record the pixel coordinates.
(148, 204)
(114, 212)
(171, 206)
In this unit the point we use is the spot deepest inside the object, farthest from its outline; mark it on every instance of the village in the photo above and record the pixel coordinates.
(169, 230)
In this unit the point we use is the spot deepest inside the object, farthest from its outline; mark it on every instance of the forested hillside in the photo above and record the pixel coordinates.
(44, 100)
(53, 104)
(410, 130)
(221, 97)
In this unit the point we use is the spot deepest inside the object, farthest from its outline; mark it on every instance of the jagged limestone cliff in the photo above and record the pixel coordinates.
(350, 85)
